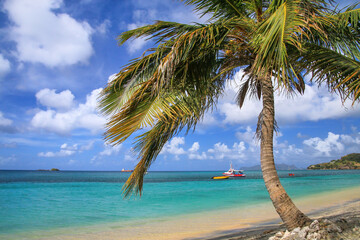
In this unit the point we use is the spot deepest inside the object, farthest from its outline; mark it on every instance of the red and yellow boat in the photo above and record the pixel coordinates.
(234, 173)
(220, 177)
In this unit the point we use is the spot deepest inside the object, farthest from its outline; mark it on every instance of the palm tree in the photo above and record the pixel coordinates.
(276, 43)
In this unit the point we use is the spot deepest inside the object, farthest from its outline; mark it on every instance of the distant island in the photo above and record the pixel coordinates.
(53, 169)
(350, 161)
(279, 167)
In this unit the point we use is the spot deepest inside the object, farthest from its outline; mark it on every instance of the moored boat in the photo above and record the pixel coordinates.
(220, 177)
(234, 173)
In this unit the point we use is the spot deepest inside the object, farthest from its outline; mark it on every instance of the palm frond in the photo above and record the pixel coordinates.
(119, 90)
(161, 31)
(185, 112)
(220, 8)
(272, 42)
(170, 87)
(338, 31)
(341, 73)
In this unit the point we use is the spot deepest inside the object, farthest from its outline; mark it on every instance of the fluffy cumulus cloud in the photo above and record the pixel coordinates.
(230, 111)
(194, 153)
(219, 151)
(45, 35)
(81, 116)
(248, 136)
(333, 144)
(4, 66)
(49, 98)
(67, 150)
(173, 147)
(316, 104)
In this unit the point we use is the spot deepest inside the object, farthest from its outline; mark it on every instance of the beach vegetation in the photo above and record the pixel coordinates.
(275, 44)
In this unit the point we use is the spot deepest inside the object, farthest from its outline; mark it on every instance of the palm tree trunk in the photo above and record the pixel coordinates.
(289, 213)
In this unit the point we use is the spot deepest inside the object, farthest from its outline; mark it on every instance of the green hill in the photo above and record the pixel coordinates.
(350, 161)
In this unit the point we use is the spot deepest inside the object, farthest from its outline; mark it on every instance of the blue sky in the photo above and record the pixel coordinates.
(56, 56)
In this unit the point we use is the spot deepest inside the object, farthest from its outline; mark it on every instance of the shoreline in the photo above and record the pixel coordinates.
(234, 223)
(350, 212)
(323, 205)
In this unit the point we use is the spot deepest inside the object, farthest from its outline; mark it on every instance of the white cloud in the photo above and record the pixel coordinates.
(220, 148)
(198, 156)
(112, 77)
(316, 104)
(221, 151)
(231, 111)
(140, 18)
(334, 143)
(4, 66)
(48, 37)
(195, 147)
(172, 147)
(110, 150)
(82, 116)
(51, 121)
(291, 150)
(67, 150)
(158, 10)
(248, 136)
(104, 26)
(6, 125)
(130, 158)
(194, 154)
(87, 147)
(208, 120)
(4, 122)
(239, 147)
(136, 44)
(49, 98)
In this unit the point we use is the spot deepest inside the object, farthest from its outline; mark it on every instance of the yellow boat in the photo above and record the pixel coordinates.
(220, 177)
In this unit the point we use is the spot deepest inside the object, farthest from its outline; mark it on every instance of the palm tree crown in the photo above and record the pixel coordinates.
(276, 43)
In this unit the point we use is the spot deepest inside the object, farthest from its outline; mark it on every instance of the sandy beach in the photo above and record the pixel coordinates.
(254, 222)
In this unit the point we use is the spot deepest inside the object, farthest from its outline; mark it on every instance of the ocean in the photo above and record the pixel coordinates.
(36, 202)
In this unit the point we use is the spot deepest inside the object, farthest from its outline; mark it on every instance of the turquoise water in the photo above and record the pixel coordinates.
(35, 200)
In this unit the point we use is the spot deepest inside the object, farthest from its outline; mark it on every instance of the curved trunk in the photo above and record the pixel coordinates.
(289, 213)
